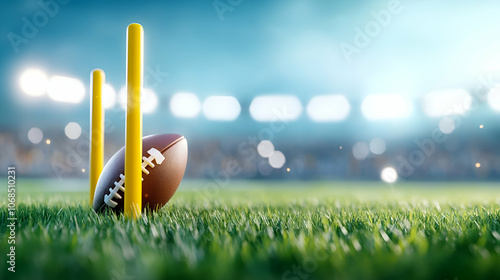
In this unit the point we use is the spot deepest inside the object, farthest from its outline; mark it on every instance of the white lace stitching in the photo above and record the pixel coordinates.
(154, 154)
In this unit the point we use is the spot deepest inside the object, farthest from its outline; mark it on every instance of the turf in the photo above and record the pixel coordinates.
(262, 230)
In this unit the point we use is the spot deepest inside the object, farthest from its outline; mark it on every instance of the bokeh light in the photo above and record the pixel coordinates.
(35, 135)
(328, 108)
(221, 108)
(185, 105)
(33, 82)
(108, 96)
(386, 106)
(447, 125)
(265, 148)
(446, 102)
(66, 89)
(360, 150)
(73, 130)
(149, 100)
(494, 98)
(389, 175)
(277, 159)
(377, 146)
(275, 107)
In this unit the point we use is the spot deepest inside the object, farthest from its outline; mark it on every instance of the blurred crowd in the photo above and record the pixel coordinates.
(459, 158)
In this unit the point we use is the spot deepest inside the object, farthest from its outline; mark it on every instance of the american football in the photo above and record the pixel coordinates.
(328, 139)
(163, 166)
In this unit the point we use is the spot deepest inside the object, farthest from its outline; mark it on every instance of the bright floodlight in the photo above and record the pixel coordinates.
(360, 150)
(377, 146)
(65, 89)
(265, 148)
(275, 107)
(447, 102)
(185, 105)
(221, 108)
(494, 98)
(386, 106)
(35, 135)
(277, 159)
(149, 100)
(122, 97)
(33, 82)
(73, 130)
(328, 108)
(389, 175)
(108, 96)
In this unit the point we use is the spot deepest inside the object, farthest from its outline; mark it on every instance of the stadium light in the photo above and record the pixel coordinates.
(386, 106)
(446, 102)
(33, 82)
(149, 100)
(494, 98)
(328, 108)
(185, 105)
(65, 89)
(275, 107)
(221, 108)
(108, 96)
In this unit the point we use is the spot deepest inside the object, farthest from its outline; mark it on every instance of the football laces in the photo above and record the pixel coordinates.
(155, 155)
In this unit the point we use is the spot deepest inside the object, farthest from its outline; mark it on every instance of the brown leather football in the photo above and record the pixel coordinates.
(164, 163)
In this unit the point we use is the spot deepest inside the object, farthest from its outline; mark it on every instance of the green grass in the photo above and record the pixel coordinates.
(262, 230)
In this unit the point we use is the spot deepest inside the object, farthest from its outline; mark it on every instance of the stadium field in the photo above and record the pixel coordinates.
(257, 230)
